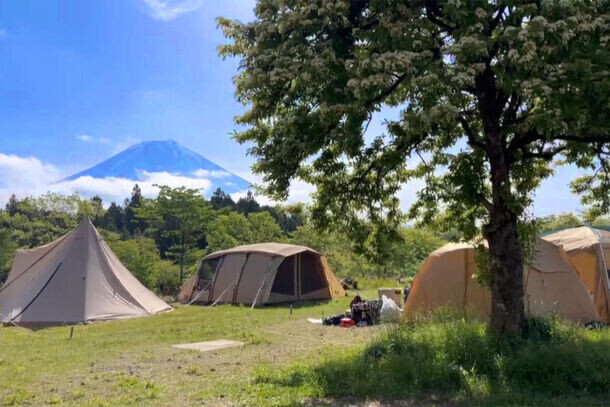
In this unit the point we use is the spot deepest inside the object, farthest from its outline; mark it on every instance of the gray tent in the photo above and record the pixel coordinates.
(74, 279)
(263, 273)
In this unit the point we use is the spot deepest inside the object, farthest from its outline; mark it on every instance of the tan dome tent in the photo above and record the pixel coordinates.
(551, 285)
(589, 251)
(74, 279)
(263, 273)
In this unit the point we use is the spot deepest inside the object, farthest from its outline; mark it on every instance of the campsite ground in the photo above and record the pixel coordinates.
(132, 362)
(288, 361)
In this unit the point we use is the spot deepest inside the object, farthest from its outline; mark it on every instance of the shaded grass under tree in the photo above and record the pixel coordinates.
(452, 359)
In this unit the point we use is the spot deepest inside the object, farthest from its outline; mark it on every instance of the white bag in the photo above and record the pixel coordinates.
(390, 312)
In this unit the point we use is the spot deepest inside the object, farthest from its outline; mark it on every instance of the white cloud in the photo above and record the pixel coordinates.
(31, 177)
(201, 173)
(112, 188)
(24, 176)
(166, 10)
(85, 138)
(299, 191)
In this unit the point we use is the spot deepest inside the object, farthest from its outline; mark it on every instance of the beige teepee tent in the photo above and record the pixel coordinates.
(262, 273)
(589, 251)
(74, 279)
(551, 285)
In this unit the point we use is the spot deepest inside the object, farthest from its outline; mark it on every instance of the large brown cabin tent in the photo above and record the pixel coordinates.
(551, 285)
(264, 273)
(74, 279)
(589, 251)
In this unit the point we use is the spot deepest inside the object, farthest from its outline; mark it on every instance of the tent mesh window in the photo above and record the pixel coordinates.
(206, 272)
(312, 274)
(284, 278)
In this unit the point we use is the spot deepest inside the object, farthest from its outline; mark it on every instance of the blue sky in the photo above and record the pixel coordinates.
(116, 72)
(82, 80)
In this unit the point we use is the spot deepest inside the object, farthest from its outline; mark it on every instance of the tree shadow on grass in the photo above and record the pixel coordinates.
(461, 362)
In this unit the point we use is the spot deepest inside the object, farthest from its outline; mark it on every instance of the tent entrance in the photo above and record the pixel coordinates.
(284, 283)
(300, 276)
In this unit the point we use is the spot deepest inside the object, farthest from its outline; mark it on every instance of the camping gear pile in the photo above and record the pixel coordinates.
(349, 284)
(364, 313)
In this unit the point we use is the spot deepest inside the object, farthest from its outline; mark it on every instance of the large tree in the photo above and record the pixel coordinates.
(489, 92)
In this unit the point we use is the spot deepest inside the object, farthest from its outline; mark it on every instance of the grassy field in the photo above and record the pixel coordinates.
(132, 362)
(287, 361)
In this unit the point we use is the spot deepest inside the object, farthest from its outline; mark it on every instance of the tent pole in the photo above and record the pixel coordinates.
(262, 284)
(234, 282)
(223, 293)
(209, 284)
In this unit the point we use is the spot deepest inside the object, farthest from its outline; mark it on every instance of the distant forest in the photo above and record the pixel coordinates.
(161, 240)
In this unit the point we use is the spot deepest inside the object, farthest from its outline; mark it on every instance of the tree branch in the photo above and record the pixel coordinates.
(379, 98)
(434, 14)
(472, 141)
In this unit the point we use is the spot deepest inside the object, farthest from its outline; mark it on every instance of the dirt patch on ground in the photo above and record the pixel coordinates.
(164, 375)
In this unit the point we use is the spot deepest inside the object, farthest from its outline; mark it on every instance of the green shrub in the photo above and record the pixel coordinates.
(164, 277)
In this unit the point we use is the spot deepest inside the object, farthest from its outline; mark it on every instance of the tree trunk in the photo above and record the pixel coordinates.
(506, 272)
(506, 263)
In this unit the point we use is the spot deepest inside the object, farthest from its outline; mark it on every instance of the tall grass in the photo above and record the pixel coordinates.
(460, 360)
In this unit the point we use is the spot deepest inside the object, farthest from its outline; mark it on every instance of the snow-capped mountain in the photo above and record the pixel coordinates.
(138, 162)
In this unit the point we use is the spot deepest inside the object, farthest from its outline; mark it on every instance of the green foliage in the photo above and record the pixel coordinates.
(263, 228)
(37, 221)
(227, 231)
(456, 359)
(247, 204)
(141, 256)
(220, 200)
(234, 229)
(406, 255)
(179, 215)
(7, 250)
(91, 209)
(602, 221)
(181, 226)
(465, 74)
(562, 220)
(402, 256)
(337, 247)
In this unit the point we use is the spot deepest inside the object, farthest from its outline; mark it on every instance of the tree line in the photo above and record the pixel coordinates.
(161, 239)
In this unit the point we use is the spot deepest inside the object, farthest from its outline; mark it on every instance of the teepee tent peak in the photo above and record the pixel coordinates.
(74, 279)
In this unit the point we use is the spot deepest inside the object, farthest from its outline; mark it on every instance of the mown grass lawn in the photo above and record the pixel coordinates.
(287, 361)
(132, 362)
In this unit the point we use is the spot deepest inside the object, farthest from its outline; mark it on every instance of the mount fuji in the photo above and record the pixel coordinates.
(163, 157)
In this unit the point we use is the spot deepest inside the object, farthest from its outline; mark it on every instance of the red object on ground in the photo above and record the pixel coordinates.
(347, 323)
